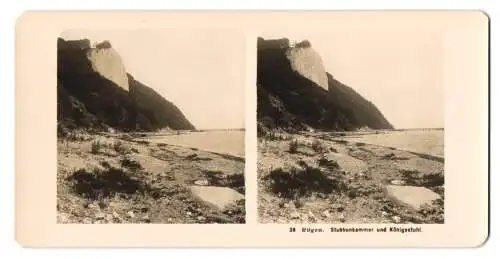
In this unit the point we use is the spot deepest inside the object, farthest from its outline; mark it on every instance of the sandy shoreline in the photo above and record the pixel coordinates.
(122, 179)
(223, 142)
(340, 180)
(420, 141)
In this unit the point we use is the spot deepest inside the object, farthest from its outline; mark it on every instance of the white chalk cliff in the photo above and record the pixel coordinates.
(307, 62)
(108, 63)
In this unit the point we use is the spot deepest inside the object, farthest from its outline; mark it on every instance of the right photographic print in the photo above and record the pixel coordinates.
(350, 126)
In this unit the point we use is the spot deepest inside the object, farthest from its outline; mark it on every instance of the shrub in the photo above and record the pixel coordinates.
(95, 147)
(127, 137)
(119, 147)
(103, 45)
(143, 142)
(130, 164)
(303, 182)
(324, 162)
(303, 44)
(293, 146)
(317, 146)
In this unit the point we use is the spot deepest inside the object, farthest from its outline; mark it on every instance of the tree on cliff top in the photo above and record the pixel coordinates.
(103, 45)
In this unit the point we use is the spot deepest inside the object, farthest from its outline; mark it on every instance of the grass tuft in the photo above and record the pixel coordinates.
(95, 147)
(293, 146)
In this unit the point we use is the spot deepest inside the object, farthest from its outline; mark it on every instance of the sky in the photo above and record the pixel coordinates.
(201, 71)
(398, 68)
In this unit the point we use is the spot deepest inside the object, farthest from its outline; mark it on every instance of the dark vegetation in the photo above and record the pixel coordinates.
(129, 163)
(299, 182)
(416, 178)
(293, 146)
(95, 147)
(87, 100)
(305, 180)
(99, 184)
(317, 146)
(233, 181)
(290, 101)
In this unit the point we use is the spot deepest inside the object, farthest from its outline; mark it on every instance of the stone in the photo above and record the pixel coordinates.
(295, 215)
(326, 214)
(398, 182)
(100, 215)
(191, 156)
(217, 197)
(201, 218)
(396, 219)
(348, 163)
(115, 215)
(93, 206)
(412, 196)
(299, 203)
(131, 214)
(384, 214)
(362, 175)
(282, 221)
(201, 182)
(307, 152)
(321, 195)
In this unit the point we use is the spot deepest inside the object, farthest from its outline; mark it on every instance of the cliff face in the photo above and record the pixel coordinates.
(93, 94)
(307, 62)
(108, 63)
(295, 92)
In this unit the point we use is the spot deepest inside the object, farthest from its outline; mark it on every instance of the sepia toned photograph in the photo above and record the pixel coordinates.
(271, 129)
(350, 126)
(150, 126)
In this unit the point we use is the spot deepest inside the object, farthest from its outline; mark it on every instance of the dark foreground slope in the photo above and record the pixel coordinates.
(89, 98)
(289, 99)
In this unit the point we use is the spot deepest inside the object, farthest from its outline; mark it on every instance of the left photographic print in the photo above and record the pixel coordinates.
(150, 126)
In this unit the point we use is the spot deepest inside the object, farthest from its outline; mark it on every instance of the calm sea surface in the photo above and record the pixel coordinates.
(226, 142)
(421, 141)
